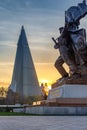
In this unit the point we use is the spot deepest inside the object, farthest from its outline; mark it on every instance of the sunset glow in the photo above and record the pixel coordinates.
(41, 21)
(49, 82)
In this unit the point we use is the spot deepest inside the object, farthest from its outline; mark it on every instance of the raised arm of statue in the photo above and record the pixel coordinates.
(75, 13)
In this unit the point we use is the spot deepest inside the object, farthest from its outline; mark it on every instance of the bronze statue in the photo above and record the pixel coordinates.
(66, 54)
(72, 43)
(78, 36)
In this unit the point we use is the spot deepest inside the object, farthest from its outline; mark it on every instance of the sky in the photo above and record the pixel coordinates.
(41, 20)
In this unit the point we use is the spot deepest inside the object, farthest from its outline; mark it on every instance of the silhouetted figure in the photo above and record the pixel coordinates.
(44, 92)
(66, 54)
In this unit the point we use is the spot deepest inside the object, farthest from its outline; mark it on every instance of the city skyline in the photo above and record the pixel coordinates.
(41, 20)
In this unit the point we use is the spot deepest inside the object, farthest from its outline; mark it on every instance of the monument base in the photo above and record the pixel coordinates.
(64, 100)
(46, 110)
(68, 91)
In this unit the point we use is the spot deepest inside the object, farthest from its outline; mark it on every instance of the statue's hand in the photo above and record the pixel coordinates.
(56, 46)
(53, 38)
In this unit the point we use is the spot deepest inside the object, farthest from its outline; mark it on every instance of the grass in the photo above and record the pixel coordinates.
(24, 114)
(13, 114)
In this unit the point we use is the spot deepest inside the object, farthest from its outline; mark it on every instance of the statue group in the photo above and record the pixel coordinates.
(72, 44)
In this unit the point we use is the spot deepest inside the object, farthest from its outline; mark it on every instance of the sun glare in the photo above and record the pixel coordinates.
(45, 81)
(49, 87)
(49, 82)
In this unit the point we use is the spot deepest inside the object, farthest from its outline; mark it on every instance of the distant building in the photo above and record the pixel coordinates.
(24, 79)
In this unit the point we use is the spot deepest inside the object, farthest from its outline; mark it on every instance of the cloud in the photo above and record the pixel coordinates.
(43, 64)
(6, 64)
(8, 44)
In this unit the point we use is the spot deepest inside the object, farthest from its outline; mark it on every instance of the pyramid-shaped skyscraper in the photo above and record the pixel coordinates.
(24, 80)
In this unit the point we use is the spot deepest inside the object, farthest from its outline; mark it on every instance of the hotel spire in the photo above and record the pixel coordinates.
(24, 79)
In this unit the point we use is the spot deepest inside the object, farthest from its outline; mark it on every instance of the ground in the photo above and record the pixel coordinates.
(43, 122)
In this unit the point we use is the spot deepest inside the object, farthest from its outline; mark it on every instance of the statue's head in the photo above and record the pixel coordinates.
(61, 29)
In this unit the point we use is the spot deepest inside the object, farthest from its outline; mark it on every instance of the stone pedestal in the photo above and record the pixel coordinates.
(68, 91)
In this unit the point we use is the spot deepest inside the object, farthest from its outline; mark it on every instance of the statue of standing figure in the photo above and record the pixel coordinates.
(72, 43)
